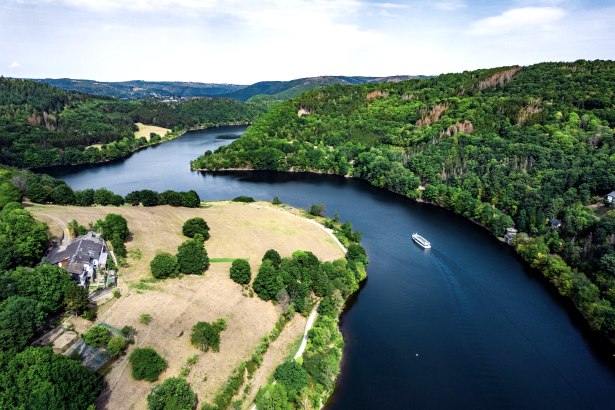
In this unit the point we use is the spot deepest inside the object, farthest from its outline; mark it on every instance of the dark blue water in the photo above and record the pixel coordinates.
(463, 325)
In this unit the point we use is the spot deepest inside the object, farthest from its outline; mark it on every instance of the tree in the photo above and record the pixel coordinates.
(172, 394)
(276, 201)
(240, 271)
(37, 193)
(112, 225)
(63, 195)
(23, 240)
(164, 265)
(103, 197)
(46, 283)
(205, 335)
(274, 397)
(190, 199)
(84, 198)
(273, 256)
(146, 364)
(116, 346)
(192, 257)
(195, 226)
(9, 193)
(20, 317)
(268, 281)
(75, 298)
(292, 376)
(39, 379)
(97, 336)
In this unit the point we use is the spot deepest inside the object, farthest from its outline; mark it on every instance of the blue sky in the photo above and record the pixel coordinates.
(247, 41)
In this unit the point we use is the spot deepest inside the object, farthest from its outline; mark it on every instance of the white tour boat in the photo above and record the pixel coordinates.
(422, 242)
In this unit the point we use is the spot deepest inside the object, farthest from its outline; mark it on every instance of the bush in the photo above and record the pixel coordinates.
(146, 364)
(240, 271)
(243, 198)
(318, 210)
(192, 257)
(172, 394)
(116, 346)
(164, 265)
(97, 336)
(145, 318)
(195, 226)
(118, 246)
(276, 201)
(205, 335)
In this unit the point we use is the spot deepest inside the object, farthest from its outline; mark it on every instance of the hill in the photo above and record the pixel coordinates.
(139, 89)
(178, 304)
(41, 125)
(511, 146)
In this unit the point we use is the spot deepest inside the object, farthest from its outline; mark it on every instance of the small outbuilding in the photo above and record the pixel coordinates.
(610, 197)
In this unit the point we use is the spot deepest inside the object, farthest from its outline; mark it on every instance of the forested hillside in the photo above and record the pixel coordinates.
(512, 146)
(41, 125)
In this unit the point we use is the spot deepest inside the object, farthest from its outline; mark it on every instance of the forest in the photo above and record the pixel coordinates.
(506, 147)
(43, 126)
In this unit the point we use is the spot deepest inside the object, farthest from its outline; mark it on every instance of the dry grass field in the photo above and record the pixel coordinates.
(145, 130)
(237, 231)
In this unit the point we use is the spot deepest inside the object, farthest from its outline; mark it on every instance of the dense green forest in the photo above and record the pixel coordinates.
(506, 147)
(31, 296)
(42, 126)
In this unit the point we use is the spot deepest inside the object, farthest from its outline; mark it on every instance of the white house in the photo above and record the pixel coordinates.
(610, 197)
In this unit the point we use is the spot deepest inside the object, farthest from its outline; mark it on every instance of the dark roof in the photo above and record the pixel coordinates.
(554, 222)
(612, 193)
(81, 251)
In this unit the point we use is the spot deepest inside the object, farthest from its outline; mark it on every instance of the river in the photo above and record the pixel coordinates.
(463, 325)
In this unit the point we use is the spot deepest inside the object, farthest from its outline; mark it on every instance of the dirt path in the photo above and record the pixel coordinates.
(308, 326)
(277, 352)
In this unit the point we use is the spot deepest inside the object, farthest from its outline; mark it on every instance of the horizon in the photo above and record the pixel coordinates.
(234, 42)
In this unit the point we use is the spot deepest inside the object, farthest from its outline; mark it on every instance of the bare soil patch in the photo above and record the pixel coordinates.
(237, 231)
(145, 130)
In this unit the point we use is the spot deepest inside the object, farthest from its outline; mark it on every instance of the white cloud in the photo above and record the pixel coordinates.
(14, 64)
(518, 20)
(450, 5)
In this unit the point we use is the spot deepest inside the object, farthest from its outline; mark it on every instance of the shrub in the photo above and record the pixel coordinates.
(318, 210)
(195, 226)
(116, 346)
(145, 318)
(97, 336)
(113, 224)
(117, 293)
(276, 201)
(192, 257)
(118, 245)
(146, 364)
(172, 394)
(164, 265)
(243, 198)
(205, 335)
(240, 271)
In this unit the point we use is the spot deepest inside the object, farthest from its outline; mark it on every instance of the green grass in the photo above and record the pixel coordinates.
(215, 260)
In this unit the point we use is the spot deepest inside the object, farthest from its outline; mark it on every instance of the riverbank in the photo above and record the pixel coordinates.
(571, 285)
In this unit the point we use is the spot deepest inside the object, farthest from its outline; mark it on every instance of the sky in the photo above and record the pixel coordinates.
(242, 42)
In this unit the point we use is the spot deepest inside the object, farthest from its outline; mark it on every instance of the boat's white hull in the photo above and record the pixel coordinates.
(420, 241)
